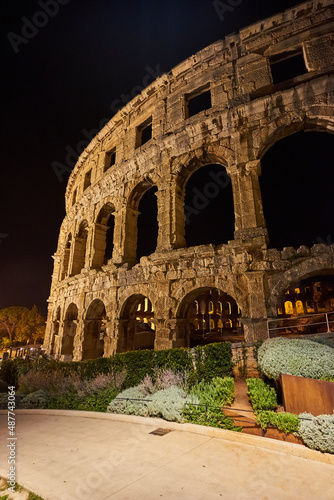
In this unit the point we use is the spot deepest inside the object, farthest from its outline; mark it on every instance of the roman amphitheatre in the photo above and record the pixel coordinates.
(137, 264)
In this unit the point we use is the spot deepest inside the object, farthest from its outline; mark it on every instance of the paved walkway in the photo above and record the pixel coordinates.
(80, 455)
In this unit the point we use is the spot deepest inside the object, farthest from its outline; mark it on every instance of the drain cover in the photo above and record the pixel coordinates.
(161, 432)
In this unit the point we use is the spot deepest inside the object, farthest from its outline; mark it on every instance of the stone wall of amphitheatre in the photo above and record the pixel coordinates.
(249, 112)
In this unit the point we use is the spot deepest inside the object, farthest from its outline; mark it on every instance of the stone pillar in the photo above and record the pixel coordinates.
(255, 325)
(249, 218)
(131, 236)
(110, 339)
(119, 235)
(78, 256)
(164, 218)
(99, 232)
(163, 336)
(179, 329)
(48, 329)
(78, 340)
(177, 215)
(65, 264)
(125, 236)
(58, 339)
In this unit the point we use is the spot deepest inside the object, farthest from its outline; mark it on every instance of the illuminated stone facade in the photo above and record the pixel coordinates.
(159, 139)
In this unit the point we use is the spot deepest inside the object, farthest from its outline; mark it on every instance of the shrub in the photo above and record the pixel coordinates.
(9, 370)
(165, 378)
(204, 362)
(168, 404)
(37, 399)
(146, 386)
(212, 360)
(212, 417)
(317, 432)
(285, 422)
(177, 360)
(133, 406)
(4, 401)
(53, 383)
(324, 341)
(327, 379)
(91, 402)
(218, 392)
(3, 386)
(296, 357)
(262, 397)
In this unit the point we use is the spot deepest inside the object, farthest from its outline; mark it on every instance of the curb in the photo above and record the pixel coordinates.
(212, 432)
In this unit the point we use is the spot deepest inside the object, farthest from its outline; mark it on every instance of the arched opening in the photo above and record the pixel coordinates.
(212, 316)
(66, 257)
(55, 332)
(79, 252)
(70, 328)
(147, 223)
(94, 331)
(208, 206)
(306, 307)
(141, 232)
(296, 183)
(137, 324)
(104, 235)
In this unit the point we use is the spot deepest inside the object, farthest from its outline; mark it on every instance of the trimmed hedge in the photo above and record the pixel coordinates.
(317, 432)
(300, 357)
(202, 363)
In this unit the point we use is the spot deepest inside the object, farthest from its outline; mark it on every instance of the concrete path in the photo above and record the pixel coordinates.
(80, 455)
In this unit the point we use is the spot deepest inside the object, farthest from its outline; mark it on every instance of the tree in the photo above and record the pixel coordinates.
(22, 324)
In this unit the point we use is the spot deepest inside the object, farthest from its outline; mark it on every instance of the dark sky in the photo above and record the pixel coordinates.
(62, 78)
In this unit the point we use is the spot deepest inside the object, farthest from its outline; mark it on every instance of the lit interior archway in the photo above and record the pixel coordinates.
(212, 316)
(306, 307)
(137, 324)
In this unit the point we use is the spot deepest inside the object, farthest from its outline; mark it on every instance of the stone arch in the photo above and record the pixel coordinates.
(103, 238)
(207, 314)
(94, 331)
(276, 130)
(69, 332)
(208, 206)
(80, 248)
(137, 327)
(184, 166)
(183, 169)
(306, 269)
(131, 227)
(301, 214)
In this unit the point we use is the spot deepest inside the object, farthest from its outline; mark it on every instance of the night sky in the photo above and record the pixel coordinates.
(67, 77)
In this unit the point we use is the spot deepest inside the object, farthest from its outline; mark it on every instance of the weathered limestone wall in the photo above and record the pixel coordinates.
(249, 113)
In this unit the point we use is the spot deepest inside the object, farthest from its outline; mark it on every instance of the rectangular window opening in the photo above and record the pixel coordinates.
(144, 132)
(198, 101)
(87, 182)
(287, 66)
(110, 159)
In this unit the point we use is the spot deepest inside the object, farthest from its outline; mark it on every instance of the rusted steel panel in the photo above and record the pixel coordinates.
(302, 394)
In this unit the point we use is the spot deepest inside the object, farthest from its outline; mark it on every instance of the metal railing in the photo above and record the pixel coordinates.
(313, 323)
